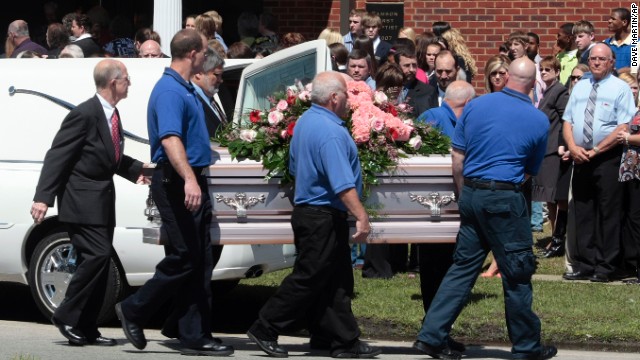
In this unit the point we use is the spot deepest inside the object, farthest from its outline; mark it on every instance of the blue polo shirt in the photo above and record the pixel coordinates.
(622, 50)
(174, 109)
(323, 159)
(441, 117)
(503, 136)
(614, 106)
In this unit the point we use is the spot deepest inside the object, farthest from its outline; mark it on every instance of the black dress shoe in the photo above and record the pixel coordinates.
(213, 348)
(133, 332)
(456, 345)
(359, 350)
(547, 353)
(435, 352)
(75, 336)
(103, 341)
(577, 275)
(270, 347)
(600, 278)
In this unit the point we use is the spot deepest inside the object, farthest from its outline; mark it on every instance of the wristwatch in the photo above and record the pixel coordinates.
(596, 150)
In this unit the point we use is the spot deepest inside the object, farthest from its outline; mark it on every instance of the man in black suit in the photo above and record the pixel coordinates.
(446, 72)
(207, 83)
(78, 169)
(420, 96)
(372, 23)
(81, 30)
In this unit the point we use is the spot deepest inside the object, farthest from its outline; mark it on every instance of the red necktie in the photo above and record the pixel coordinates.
(115, 133)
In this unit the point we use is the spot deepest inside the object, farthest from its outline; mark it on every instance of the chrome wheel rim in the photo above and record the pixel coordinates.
(56, 271)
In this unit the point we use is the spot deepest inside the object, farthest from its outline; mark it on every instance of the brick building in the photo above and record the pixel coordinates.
(485, 24)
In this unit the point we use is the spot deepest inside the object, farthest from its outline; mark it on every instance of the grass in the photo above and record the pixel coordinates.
(602, 316)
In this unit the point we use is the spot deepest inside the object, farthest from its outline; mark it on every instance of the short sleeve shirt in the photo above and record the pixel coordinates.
(174, 110)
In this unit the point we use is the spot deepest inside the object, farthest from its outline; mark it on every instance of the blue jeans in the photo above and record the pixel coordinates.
(357, 257)
(537, 217)
(497, 221)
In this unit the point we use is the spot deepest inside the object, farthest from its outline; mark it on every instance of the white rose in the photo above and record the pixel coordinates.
(248, 135)
(275, 117)
(415, 142)
(379, 97)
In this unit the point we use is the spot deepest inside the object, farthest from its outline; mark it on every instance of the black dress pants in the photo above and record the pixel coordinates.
(435, 261)
(85, 294)
(631, 226)
(597, 197)
(321, 284)
(185, 270)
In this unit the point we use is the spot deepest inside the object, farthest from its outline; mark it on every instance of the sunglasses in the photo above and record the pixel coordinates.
(546, 69)
(576, 77)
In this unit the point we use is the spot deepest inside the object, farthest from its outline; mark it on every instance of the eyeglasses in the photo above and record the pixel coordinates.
(128, 78)
(498, 73)
(599, 58)
(576, 77)
(546, 69)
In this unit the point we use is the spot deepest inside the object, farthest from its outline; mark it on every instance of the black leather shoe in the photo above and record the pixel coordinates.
(103, 341)
(211, 349)
(359, 350)
(270, 347)
(133, 332)
(600, 278)
(437, 353)
(547, 353)
(456, 345)
(75, 336)
(577, 275)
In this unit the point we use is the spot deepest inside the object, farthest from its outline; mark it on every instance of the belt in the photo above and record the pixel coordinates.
(490, 184)
(325, 209)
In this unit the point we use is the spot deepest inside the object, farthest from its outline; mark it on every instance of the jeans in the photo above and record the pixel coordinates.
(537, 217)
(497, 221)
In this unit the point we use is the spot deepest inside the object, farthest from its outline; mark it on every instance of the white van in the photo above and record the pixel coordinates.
(35, 95)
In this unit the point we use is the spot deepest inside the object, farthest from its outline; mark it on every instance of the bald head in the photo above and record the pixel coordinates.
(522, 75)
(458, 94)
(106, 70)
(600, 61)
(150, 48)
(19, 28)
(329, 91)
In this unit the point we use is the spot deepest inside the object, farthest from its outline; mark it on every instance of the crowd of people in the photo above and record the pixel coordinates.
(577, 155)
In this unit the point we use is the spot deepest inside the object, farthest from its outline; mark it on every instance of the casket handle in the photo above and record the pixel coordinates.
(240, 203)
(434, 201)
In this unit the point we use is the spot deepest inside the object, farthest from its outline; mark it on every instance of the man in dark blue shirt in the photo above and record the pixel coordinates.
(498, 143)
(180, 147)
(324, 160)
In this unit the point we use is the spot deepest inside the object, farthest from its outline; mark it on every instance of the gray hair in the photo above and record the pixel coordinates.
(212, 60)
(19, 27)
(71, 51)
(324, 86)
(459, 91)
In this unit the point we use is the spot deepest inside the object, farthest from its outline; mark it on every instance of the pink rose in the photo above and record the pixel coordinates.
(415, 142)
(377, 124)
(248, 135)
(284, 134)
(275, 117)
(282, 105)
(304, 95)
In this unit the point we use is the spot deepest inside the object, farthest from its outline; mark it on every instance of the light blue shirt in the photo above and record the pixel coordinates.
(348, 42)
(614, 106)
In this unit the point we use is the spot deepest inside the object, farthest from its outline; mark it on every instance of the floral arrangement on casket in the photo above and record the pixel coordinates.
(384, 133)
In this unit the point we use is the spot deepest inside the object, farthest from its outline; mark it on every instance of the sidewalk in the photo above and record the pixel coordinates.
(43, 342)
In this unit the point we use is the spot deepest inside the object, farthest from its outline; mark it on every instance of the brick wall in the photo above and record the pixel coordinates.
(485, 24)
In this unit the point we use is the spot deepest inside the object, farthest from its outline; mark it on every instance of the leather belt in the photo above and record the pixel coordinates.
(490, 184)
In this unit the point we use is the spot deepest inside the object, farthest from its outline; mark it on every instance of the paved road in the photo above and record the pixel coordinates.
(43, 342)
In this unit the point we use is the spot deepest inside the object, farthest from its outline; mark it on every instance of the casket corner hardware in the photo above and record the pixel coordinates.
(435, 202)
(241, 203)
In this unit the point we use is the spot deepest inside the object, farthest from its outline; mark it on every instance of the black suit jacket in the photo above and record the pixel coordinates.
(212, 120)
(553, 103)
(79, 168)
(89, 47)
(422, 97)
(382, 51)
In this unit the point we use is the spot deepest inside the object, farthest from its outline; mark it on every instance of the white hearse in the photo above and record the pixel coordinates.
(251, 215)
